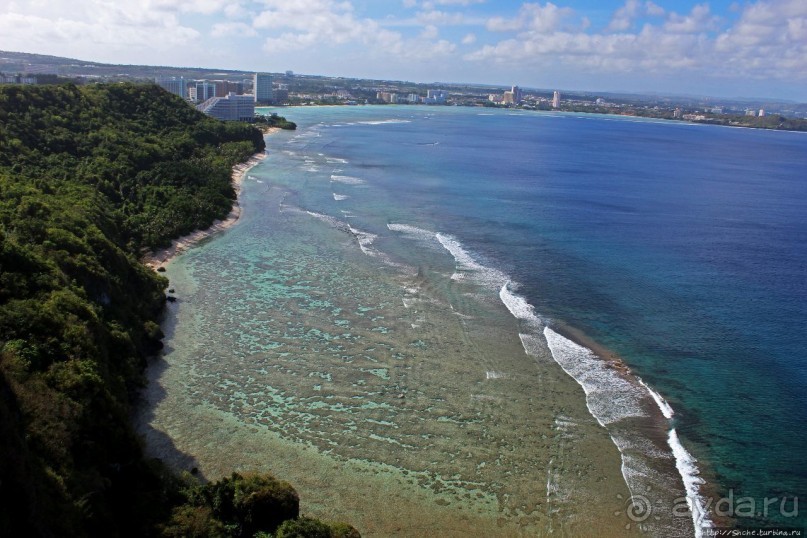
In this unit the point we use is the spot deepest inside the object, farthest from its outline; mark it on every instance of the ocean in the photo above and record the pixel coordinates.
(519, 321)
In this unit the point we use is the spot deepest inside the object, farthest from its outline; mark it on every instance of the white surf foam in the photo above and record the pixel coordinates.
(686, 465)
(609, 397)
(336, 223)
(533, 345)
(340, 197)
(365, 240)
(465, 262)
(384, 122)
(518, 305)
(334, 160)
(417, 233)
(346, 180)
(665, 408)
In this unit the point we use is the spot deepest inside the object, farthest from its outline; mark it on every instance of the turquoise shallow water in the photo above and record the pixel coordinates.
(394, 264)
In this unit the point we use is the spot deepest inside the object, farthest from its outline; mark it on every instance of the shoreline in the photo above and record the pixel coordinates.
(161, 257)
(558, 111)
(654, 426)
(700, 484)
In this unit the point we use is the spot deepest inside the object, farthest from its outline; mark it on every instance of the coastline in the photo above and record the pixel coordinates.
(659, 426)
(160, 258)
(713, 122)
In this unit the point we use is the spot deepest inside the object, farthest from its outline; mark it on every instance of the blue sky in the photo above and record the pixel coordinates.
(721, 48)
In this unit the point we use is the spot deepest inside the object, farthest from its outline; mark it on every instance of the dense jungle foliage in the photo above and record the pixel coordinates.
(89, 177)
(273, 120)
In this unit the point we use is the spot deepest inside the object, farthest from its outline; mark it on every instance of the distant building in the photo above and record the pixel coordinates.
(750, 112)
(413, 98)
(175, 85)
(262, 88)
(16, 79)
(204, 91)
(761, 113)
(495, 98)
(224, 87)
(518, 95)
(677, 113)
(233, 107)
(556, 99)
(436, 97)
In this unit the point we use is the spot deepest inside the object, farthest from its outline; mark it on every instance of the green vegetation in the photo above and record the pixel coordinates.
(773, 121)
(244, 506)
(274, 120)
(89, 178)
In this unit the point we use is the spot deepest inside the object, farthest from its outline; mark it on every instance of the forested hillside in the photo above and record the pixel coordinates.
(89, 177)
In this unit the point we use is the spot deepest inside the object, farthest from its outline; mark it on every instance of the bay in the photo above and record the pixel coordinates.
(404, 275)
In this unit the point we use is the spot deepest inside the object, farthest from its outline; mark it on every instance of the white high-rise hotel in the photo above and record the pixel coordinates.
(230, 108)
(262, 87)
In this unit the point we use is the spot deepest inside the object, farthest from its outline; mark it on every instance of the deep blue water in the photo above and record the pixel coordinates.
(681, 248)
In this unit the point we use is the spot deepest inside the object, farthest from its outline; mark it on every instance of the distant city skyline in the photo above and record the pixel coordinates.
(721, 48)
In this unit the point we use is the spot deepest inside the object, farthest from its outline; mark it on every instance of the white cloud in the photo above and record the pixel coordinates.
(768, 40)
(431, 4)
(760, 39)
(225, 29)
(700, 19)
(440, 17)
(654, 10)
(534, 17)
(234, 10)
(625, 17)
(306, 23)
(429, 32)
(316, 23)
(90, 27)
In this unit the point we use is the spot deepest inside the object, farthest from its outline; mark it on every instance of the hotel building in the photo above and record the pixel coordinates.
(230, 108)
(262, 88)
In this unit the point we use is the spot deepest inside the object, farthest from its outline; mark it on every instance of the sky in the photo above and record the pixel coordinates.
(721, 48)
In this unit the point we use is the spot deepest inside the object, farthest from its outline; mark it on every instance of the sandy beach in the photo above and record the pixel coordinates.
(161, 257)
